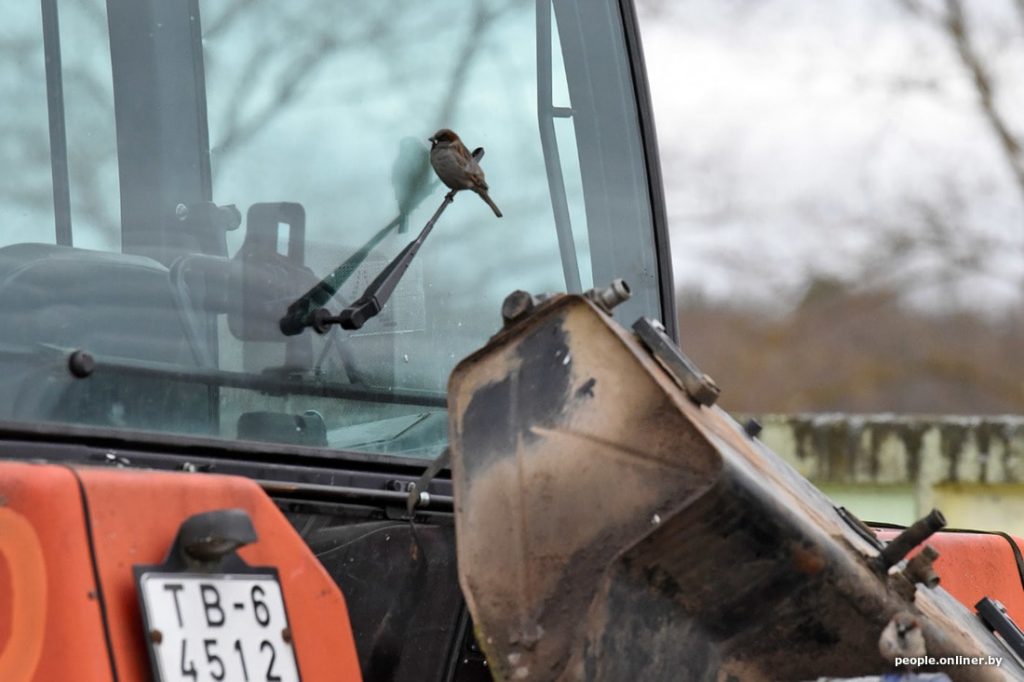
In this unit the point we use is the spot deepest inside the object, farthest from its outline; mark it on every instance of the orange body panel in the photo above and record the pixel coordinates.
(976, 565)
(51, 627)
(134, 517)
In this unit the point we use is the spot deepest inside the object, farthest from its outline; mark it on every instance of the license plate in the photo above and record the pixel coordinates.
(220, 627)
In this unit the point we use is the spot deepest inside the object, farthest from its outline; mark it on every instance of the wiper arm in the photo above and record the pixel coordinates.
(300, 313)
(82, 365)
(418, 495)
(372, 301)
(308, 310)
(412, 182)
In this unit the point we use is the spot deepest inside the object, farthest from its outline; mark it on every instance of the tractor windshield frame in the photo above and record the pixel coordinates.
(166, 191)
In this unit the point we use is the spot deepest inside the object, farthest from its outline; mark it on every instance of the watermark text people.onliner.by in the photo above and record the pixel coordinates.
(949, 660)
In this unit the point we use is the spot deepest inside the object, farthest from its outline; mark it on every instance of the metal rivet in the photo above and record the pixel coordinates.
(156, 636)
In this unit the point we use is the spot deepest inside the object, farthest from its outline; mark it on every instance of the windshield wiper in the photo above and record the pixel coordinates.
(372, 301)
(83, 365)
(412, 182)
(300, 313)
(308, 310)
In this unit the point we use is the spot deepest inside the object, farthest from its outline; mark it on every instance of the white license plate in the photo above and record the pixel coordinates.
(220, 628)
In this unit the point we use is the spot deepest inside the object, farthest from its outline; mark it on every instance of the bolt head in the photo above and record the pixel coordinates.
(81, 364)
(516, 305)
(752, 428)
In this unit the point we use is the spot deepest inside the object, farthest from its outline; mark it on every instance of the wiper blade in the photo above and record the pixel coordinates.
(412, 182)
(83, 365)
(347, 494)
(300, 313)
(372, 301)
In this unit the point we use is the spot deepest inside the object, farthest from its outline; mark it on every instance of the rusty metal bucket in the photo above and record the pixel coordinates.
(611, 528)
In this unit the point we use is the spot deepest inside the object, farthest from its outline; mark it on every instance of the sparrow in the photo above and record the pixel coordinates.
(456, 166)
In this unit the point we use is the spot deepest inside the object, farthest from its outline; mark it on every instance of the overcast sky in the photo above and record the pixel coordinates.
(804, 138)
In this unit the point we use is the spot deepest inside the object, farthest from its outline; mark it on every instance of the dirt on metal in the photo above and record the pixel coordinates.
(609, 528)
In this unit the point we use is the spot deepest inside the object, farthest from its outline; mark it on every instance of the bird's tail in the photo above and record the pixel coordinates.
(485, 197)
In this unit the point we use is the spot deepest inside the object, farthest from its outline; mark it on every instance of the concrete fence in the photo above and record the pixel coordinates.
(897, 468)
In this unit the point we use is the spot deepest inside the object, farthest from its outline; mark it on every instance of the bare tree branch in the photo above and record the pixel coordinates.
(287, 86)
(1020, 11)
(226, 18)
(956, 26)
(483, 16)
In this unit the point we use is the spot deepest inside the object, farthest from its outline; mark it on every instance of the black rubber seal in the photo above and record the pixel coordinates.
(96, 573)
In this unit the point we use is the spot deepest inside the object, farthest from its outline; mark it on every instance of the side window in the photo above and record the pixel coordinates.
(27, 197)
(89, 117)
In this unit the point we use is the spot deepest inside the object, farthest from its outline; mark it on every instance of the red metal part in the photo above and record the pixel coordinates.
(50, 564)
(976, 565)
(50, 622)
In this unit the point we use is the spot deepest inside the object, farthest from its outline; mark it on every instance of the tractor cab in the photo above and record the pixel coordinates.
(181, 174)
(196, 194)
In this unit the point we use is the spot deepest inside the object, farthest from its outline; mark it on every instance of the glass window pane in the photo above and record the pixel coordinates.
(26, 208)
(330, 105)
(89, 116)
(319, 115)
(26, 198)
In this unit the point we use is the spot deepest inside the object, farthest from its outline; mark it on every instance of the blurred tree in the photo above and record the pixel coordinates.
(952, 18)
(892, 284)
(857, 352)
(279, 51)
(822, 137)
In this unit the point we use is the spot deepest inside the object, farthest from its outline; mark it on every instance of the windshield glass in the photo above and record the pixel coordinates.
(217, 161)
